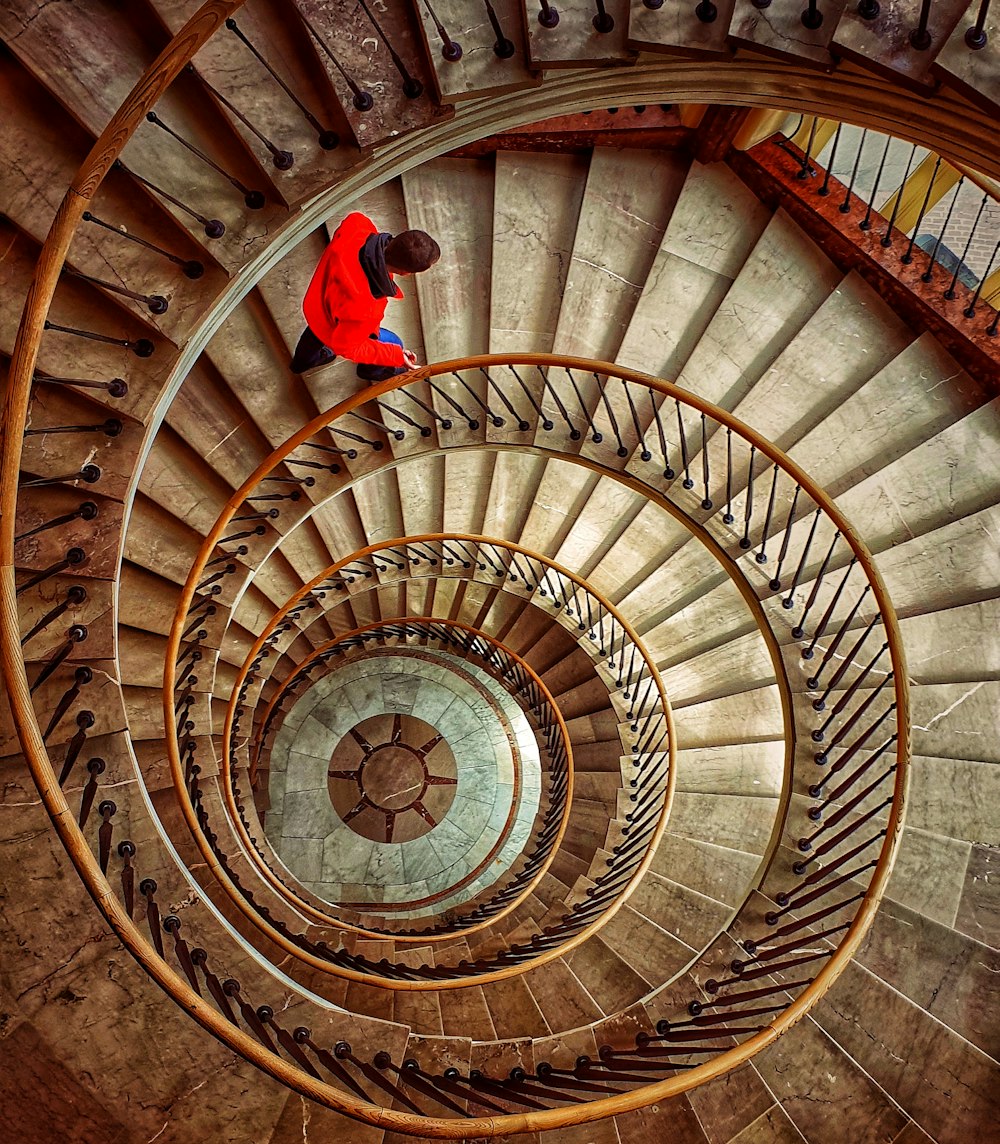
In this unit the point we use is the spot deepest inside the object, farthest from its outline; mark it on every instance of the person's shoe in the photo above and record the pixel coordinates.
(323, 356)
(377, 372)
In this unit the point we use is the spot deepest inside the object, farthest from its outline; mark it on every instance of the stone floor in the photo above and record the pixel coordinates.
(411, 779)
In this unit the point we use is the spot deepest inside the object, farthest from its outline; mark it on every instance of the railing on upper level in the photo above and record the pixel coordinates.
(918, 205)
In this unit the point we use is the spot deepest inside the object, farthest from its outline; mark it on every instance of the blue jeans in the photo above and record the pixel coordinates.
(380, 372)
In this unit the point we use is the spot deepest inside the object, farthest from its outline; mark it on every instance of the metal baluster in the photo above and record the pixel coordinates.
(282, 160)
(866, 222)
(975, 37)
(90, 474)
(450, 50)
(189, 267)
(548, 17)
(253, 199)
(929, 272)
(116, 387)
(950, 292)
(362, 100)
(920, 37)
(141, 347)
(574, 433)
(73, 558)
(824, 188)
(887, 237)
(412, 88)
(156, 303)
(214, 228)
(86, 511)
(845, 206)
(76, 594)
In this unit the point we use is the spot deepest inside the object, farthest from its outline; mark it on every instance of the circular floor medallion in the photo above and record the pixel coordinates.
(392, 778)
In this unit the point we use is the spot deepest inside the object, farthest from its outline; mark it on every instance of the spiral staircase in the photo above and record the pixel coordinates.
(670, 581)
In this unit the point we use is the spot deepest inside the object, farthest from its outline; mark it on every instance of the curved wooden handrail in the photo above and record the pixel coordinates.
(398, 542)
(952, 126)
(321, 916)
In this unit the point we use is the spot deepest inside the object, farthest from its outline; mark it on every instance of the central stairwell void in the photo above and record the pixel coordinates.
(520, 745)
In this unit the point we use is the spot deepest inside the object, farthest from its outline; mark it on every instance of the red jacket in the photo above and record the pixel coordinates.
(339, 307)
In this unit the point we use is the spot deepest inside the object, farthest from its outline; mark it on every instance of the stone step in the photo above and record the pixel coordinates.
(536, 205)
(575, 40)
(625, 210)
(887, 47)
(680, 30)
(479, 69)
(715, 224)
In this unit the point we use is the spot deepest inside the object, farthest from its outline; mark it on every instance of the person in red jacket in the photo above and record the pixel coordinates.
(348, 294)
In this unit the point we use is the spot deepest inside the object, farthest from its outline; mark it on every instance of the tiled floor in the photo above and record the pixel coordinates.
(314, 823)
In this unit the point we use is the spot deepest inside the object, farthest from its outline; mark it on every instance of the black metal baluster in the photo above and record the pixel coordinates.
(282, 160)
(845, 206)
(189, 267)
(970, 310)
(74, 558)
(111, 428)
(253, 199)
(156, 303)
(546, 424)
(574, 433)
(95, 767)
(548, 17)
(495, 421)
(950, 292)
(81, 677)
(645, 454)
(706, 502)
(328, 140)
(866, 222)
(887, 237)
(84, 721)
(214, 228)
(522, 425)
(920, 37)
(799, 629)
(362, 100)
(141, 347)
(907, 258)
(748, 507)
(86, 511)
(450, 50)
(824, 188)
(116, 387)
(76, 594)
(975, 37)
(687, 483)
(928, 274)
(89, 474)
(597, 435)
(502, 46)
(603, 22)
(789, 602)
(812, 17)
(412, 87)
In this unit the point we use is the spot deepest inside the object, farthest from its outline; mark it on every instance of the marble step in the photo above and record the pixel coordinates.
(715, 224)
(479, 69)
(887, 48)
(575, 40)
(536, 205)
(225, 64)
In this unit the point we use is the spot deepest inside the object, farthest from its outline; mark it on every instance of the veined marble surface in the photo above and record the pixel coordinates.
(496, 795)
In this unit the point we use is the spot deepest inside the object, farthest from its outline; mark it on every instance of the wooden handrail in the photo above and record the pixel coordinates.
(321, 916)
(949, 121)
